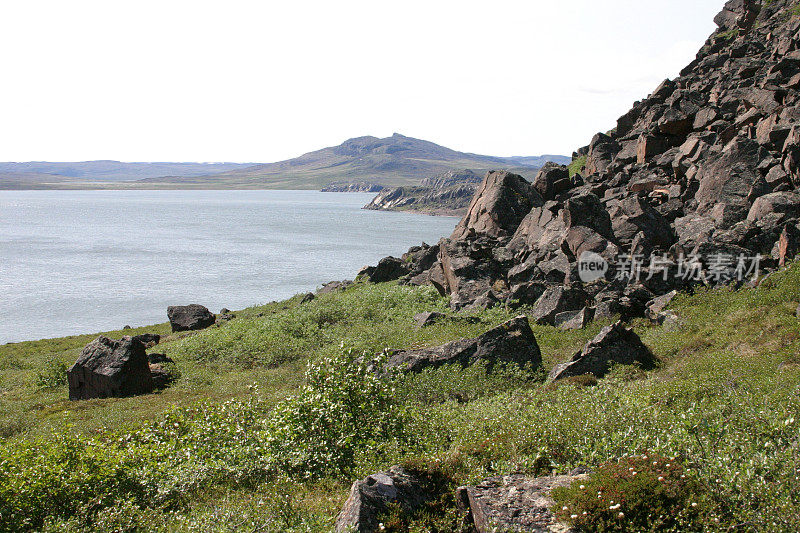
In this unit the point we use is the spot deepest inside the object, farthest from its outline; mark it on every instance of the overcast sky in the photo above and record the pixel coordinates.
(261, 81)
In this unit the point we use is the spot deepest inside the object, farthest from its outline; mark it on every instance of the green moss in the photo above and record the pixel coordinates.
(576, 167)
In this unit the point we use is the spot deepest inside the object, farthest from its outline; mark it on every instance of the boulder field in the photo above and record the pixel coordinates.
(696, 185)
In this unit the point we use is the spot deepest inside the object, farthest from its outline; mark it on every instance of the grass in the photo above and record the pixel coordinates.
(576, 167)
(204, 455)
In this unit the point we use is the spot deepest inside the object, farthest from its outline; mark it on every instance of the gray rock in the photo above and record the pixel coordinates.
(510, 342)
(658, 304)
(614, 344)
(574, 319)
(372, 497)
(190, 317)
(109, 368)
(557, 300)
(428, 319)
(514, 503)
(389, 269)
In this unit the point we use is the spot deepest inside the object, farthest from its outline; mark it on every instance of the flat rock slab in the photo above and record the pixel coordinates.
(514, 503)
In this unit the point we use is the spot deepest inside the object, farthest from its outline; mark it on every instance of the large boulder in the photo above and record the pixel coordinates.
(499, 205)
(190, 317)
(514, 503)
(556, 300)
(510, 342)
(551, 180)
(374, 496)
(389, 269)
(110, 368)
(614, 344)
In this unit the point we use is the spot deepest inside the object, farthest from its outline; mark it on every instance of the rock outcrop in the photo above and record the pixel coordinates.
(615, 344)
(511, 342)
(446, 194)
(190, 317)
(110, 368)
(355, 186)
(371, 498)
(514, 503)
(696, 185)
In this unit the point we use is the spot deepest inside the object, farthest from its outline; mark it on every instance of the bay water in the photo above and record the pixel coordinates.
(74, 262)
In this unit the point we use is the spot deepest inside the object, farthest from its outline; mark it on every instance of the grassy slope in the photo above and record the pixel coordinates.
(724, 399)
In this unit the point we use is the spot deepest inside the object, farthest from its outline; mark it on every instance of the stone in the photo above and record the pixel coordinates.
(190, 317)
(614, 344)
(110, 368)
(788, 244)
(569, 320)
(510, 342)
(389, 269)
(307, 297)
(372, 497)
(729, 176)
(634, 215)
(557, 300)
(148, 339)
(428, 319)
(498, 207)
(777, 202)
(334, 286)
(514, 503)
(526, 293)
(657, 305)
(602, 150)
(551, 180)
(650, 146)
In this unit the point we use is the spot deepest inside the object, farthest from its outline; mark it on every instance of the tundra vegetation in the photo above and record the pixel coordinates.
(276, 413)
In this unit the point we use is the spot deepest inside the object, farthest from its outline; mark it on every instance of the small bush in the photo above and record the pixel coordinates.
(642, 493)
(52, 374)
(344, 408)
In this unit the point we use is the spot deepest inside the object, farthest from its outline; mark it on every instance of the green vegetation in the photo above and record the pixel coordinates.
(274, 415)
(576, 167)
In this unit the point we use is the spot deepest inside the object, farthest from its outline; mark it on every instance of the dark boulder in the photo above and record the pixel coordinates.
(376, 495)
(499, 205)
(389, 269)
(190, 317)
(148, 339)
(510, 342)
(334, 286)
(109, 368)
(307, 297)
(557, 300)
(614, 344)
(551, 180)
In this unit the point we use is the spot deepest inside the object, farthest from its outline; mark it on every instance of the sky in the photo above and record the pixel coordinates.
(263, 81)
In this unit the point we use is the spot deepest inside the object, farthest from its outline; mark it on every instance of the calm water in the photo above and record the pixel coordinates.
(86, 261)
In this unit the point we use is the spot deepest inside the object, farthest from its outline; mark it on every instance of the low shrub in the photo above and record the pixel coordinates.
(637, 494)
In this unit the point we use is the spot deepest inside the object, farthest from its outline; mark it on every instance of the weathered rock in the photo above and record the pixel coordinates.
(389, 269)
(109, 368)
(614, 344)
(428, 319)
(334, 286)
(552, 179)
(602, 150)
(574, 319)
(148, 339)
(557, 300)
(656, 306)
(777, 202)
(514, 503)
(190, 317)
(510, 342)
(307, 297)
(372, 497)
(499, 205)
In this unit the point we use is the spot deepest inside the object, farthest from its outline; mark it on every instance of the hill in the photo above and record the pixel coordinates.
(391, 161)
(45, 174)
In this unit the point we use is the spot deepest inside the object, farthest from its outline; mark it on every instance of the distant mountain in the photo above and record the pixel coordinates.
(393, 161)
(42, 173)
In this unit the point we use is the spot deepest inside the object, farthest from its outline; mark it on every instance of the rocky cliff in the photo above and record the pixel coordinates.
(446, 194)
(696, 185)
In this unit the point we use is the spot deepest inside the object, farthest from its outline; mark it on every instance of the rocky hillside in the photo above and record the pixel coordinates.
(696, 185)
(447, 194)
(392, 161)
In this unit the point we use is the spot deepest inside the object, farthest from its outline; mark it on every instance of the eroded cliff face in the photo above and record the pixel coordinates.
(697, 184)
(446, 194)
